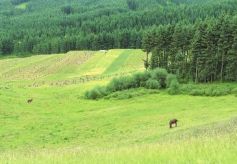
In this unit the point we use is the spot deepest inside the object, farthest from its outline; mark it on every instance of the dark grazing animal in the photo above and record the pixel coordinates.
(29, 101)
(173, 122)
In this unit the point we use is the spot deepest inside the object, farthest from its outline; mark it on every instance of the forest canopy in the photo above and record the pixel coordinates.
(60, 26)
(196, 39)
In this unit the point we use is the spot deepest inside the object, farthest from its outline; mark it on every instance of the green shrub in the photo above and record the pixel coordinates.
(124, 96)
(220, 91)
(169, 79)
(96, 93)
(141, 78)
(128, 82)
(216, 93)
(197, 92)
(155, 79)
(127, 94)
(119, 95)
(121, 83)
(174, 87)
(152, 84)
(234, 91)
(208, 92)
(160, 75)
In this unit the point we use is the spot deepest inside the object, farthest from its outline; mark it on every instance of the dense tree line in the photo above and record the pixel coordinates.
(60, 26)
(205, 51)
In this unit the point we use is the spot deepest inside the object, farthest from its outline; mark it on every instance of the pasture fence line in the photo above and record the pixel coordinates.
(79, 80)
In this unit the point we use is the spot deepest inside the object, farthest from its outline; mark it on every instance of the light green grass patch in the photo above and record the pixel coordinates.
(128, 60)
(22, 6)
(99, 63)
(118, 63)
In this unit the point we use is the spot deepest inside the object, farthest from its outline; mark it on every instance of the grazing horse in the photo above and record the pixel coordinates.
(174, 121)
(29, 101)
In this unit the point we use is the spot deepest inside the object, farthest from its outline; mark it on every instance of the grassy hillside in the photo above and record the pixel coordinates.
(60, 126)
(71, 65)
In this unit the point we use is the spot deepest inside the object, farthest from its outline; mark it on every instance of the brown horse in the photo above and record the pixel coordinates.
(174, 121)
(29, 101)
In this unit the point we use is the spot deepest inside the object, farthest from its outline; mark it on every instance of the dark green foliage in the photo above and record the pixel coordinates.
(126, 87)
(141, 78)
(207, 90)
(96, 93)
(196, 40)
(67, 10)
(153, 79)
(131, 93)
(197, 92)
(17, 2)
(121, 83)
(7, 46)
(65, 25)
(146, 64)
(160, 75)
(132, 4)
(152, 84)
(170, 78)
(172, 84)
(154, 59)
(174, 87)
(234, 91)
(202, 52)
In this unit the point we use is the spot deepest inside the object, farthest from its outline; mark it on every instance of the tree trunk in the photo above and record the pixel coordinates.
(196, 77)
(222, 67)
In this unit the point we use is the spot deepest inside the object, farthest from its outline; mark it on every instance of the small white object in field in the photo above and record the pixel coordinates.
(104, 51)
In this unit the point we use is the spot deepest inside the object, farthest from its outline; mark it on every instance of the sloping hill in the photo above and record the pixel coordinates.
(114, 61)
(60, 126)
(36, 67)
(71, 65)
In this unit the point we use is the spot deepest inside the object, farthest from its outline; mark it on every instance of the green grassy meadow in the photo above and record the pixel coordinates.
(60, 126)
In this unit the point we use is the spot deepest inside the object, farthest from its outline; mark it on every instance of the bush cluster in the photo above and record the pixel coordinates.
(96, 93)
(207, 90)
(234, 91)
(174, 88)
(131, 93)
(154, 79)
